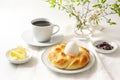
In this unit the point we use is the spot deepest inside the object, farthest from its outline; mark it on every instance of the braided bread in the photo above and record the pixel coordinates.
(61, 60)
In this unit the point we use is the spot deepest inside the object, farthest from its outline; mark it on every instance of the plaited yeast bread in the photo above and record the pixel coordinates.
(61, 60)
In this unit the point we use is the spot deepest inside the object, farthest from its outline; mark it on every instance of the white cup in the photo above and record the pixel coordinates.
(43, 29)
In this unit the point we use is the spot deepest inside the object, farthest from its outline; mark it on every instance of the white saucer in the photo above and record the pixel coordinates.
(29, 39)
(48, 64)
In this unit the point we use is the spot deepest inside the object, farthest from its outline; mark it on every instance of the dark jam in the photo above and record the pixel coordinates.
(104, 46)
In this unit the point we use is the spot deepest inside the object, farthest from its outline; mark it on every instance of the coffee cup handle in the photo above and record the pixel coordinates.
(58, 28)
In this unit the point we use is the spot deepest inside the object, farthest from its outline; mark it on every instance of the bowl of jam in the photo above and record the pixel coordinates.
(105, 46)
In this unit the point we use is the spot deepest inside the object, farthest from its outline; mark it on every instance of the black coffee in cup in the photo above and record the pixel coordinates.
(43, 29)
(41, 23)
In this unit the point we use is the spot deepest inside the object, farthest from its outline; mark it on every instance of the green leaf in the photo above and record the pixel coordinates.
(78, 4)
(85, 1)
(72, 0)
(103, 1)
(52, 3)
(115, 5)
(112, 23)
(73, 14)
(109, 20)
(97, 5)
(78, 0)
(112, 8)
(116, 8)
(96, 21)
(52, 6)
(60, 1)
(59, 7)
(119, 11)
(70, 15)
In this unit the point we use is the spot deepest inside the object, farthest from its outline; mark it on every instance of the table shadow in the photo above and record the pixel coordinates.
(85, 74)
(115, 54)
(37, 48)
(32, 63)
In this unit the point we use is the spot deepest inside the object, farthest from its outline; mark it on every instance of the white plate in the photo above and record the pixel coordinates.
(29, 56)
(29, 38)
(45, 60)
(112, 43)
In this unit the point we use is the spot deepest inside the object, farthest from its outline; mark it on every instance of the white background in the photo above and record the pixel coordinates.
(15, 18)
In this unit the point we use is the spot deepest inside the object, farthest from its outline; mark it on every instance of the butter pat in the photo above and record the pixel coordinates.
(72, 48)
(18, 54)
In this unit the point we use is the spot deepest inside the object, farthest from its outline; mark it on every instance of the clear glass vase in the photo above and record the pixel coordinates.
(83, 33)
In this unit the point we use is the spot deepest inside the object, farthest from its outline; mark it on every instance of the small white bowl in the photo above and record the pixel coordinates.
(112, 43)
(29, 56)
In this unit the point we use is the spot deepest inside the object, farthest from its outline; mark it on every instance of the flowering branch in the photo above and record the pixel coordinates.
(87, 13)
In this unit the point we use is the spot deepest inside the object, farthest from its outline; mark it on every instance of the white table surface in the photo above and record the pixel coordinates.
(15, 18)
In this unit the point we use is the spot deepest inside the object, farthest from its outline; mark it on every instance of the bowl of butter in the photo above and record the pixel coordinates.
(18, 55)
